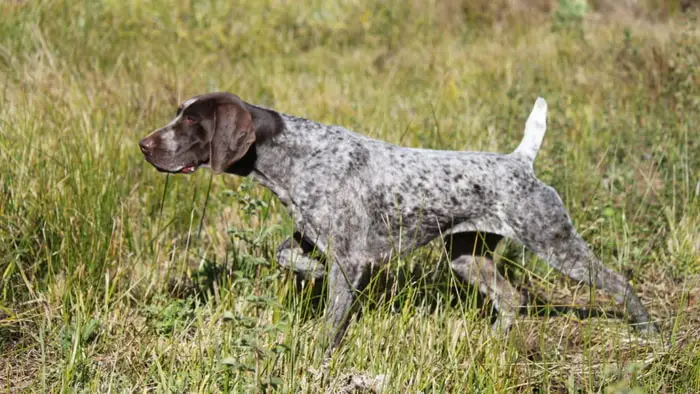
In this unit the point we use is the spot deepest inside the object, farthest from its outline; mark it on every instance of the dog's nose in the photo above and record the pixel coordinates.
(146, 145)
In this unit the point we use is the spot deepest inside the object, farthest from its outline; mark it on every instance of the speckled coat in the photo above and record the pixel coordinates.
(357, 201)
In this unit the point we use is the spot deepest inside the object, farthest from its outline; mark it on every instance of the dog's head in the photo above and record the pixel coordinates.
(215, 129)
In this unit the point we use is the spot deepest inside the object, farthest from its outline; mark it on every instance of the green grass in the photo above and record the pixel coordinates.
(116, 277)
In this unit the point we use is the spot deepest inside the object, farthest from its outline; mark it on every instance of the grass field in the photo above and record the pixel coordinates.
(115, 277)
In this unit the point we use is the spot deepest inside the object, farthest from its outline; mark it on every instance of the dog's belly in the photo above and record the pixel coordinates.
(405, 228)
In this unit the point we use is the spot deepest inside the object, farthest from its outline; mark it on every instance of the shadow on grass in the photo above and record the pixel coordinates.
(539, 306)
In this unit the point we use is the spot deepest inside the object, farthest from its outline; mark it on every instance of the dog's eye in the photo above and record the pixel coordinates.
(190, 119)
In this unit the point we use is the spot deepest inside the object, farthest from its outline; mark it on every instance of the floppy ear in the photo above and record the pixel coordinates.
(233, 136)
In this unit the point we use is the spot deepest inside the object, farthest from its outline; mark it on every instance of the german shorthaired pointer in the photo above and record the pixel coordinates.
(359, 201)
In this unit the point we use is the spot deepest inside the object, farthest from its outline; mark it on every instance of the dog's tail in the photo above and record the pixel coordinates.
(535, 127)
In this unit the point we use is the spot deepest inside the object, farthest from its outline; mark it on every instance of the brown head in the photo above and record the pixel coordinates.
(214, 129)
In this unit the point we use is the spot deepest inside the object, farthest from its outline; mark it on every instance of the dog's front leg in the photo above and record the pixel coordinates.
(344, 280)
(301, 257)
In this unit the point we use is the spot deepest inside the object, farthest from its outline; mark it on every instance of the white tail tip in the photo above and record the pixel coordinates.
(535, 128)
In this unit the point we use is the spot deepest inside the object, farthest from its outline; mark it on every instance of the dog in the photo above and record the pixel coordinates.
(359, 201)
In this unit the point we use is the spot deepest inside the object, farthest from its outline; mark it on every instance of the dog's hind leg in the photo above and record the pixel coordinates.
(471, 256)
(543, 226)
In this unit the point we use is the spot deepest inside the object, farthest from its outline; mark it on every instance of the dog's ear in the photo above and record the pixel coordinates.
(233, 135)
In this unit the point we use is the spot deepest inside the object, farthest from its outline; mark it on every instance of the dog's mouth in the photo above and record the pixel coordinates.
(186, 169)
(166, 164)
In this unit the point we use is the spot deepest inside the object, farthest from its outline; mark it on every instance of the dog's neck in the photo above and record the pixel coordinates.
(271, 159)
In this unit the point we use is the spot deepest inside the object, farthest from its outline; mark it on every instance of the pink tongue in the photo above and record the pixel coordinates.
(187, 169)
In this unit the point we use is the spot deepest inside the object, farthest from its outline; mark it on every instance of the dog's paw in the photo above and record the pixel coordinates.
(647, 329)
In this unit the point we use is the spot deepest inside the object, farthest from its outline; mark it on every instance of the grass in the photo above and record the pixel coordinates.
(119, 278)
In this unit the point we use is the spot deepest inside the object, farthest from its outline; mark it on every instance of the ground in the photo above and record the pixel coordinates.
(117, 277)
